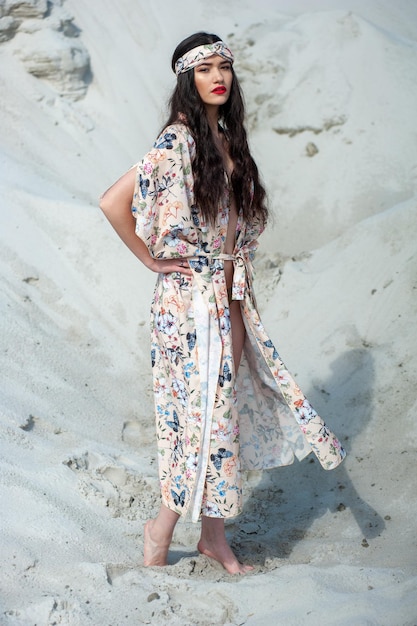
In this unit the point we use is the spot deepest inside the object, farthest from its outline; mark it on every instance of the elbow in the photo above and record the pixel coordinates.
(104, 203)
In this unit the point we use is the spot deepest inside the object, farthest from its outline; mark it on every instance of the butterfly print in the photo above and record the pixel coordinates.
(198, 414)
(269, 344)
(191, 339)
(162, 187)
(194, 215)
(179, 498)
(219, 457)
(177, 452)
(144, 185)
(226, 376)
(166, 141)
(175, 423)
(199, 264)
(174, 354)
(204, 247)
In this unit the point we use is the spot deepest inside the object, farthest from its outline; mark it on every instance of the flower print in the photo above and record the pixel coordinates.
(165, 491)
(324, 433)
(305, 412)
(173, 236)
(283, 377)
(162, 409)
(179, 391)
(156, 155)
(171, 210)
(336, 447)
(194, 418)
(224, 321)
(160, 387)
(297, 390)
(182, 248)
(238, 291)
(177, 480)
(166, 323)
(192, 462)
(269, 460)
(221, 430)
(229, 466)
(188, 369)
(210, 509)
(220, 488)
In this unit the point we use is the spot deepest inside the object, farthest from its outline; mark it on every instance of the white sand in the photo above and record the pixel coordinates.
(337, 284)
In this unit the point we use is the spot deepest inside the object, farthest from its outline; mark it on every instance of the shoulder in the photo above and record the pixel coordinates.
(176, 137)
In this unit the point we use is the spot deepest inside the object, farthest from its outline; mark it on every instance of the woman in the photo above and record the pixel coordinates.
(191, 211)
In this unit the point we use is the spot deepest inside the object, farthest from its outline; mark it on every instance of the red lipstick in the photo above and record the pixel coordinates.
(219, 90)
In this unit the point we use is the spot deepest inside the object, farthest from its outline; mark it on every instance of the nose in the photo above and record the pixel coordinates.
(218, 75)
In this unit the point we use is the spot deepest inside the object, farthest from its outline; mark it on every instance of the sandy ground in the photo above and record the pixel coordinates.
(336, 283)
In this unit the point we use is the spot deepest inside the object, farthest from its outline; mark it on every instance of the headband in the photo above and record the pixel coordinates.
(195, 56)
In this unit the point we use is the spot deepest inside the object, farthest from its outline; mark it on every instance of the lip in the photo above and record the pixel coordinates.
(219, 90)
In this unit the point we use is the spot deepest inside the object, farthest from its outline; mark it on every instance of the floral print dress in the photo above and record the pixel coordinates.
(210, 423)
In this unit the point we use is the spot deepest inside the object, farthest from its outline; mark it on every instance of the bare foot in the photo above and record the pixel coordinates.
(222, 552)
(154, 553)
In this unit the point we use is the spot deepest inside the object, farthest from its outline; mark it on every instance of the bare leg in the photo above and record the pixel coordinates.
(238, 332)
(214, 545)
(158, 536)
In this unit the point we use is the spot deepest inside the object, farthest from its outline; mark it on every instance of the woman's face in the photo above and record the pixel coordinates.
(213, 80)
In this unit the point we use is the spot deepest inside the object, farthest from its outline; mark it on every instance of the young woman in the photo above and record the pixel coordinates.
(192, 211)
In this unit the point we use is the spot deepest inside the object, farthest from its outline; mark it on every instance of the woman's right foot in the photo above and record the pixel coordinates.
(154, 553)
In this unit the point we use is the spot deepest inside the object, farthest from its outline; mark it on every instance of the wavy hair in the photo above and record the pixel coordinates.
(185, 105)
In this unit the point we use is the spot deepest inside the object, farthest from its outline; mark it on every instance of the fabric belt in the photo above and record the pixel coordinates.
(242, 270)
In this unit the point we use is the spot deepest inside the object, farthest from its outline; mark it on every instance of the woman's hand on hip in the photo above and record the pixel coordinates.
(167, 266)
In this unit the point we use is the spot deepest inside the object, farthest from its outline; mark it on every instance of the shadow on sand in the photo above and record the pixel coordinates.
(287, 500)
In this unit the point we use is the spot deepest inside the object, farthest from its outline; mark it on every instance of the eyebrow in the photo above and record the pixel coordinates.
(209, 63)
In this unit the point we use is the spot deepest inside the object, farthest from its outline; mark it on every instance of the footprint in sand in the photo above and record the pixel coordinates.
(112, 483)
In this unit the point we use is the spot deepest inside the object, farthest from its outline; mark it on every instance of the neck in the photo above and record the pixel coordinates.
(213, 119)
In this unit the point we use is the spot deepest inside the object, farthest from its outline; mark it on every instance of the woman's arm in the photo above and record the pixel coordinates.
(116, 204)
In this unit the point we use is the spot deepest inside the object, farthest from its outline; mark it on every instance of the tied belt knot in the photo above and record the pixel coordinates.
(242, 271)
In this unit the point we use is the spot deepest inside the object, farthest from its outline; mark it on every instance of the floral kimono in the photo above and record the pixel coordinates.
(210, 423)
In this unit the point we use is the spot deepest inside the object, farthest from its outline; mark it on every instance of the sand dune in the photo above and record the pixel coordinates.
(331, 96)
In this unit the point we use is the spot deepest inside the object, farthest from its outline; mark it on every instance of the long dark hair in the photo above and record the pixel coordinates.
(186, 105)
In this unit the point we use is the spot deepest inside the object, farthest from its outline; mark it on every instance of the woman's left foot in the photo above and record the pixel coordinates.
(223, 553)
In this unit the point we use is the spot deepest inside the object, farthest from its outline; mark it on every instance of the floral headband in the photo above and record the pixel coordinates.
(194, 57)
